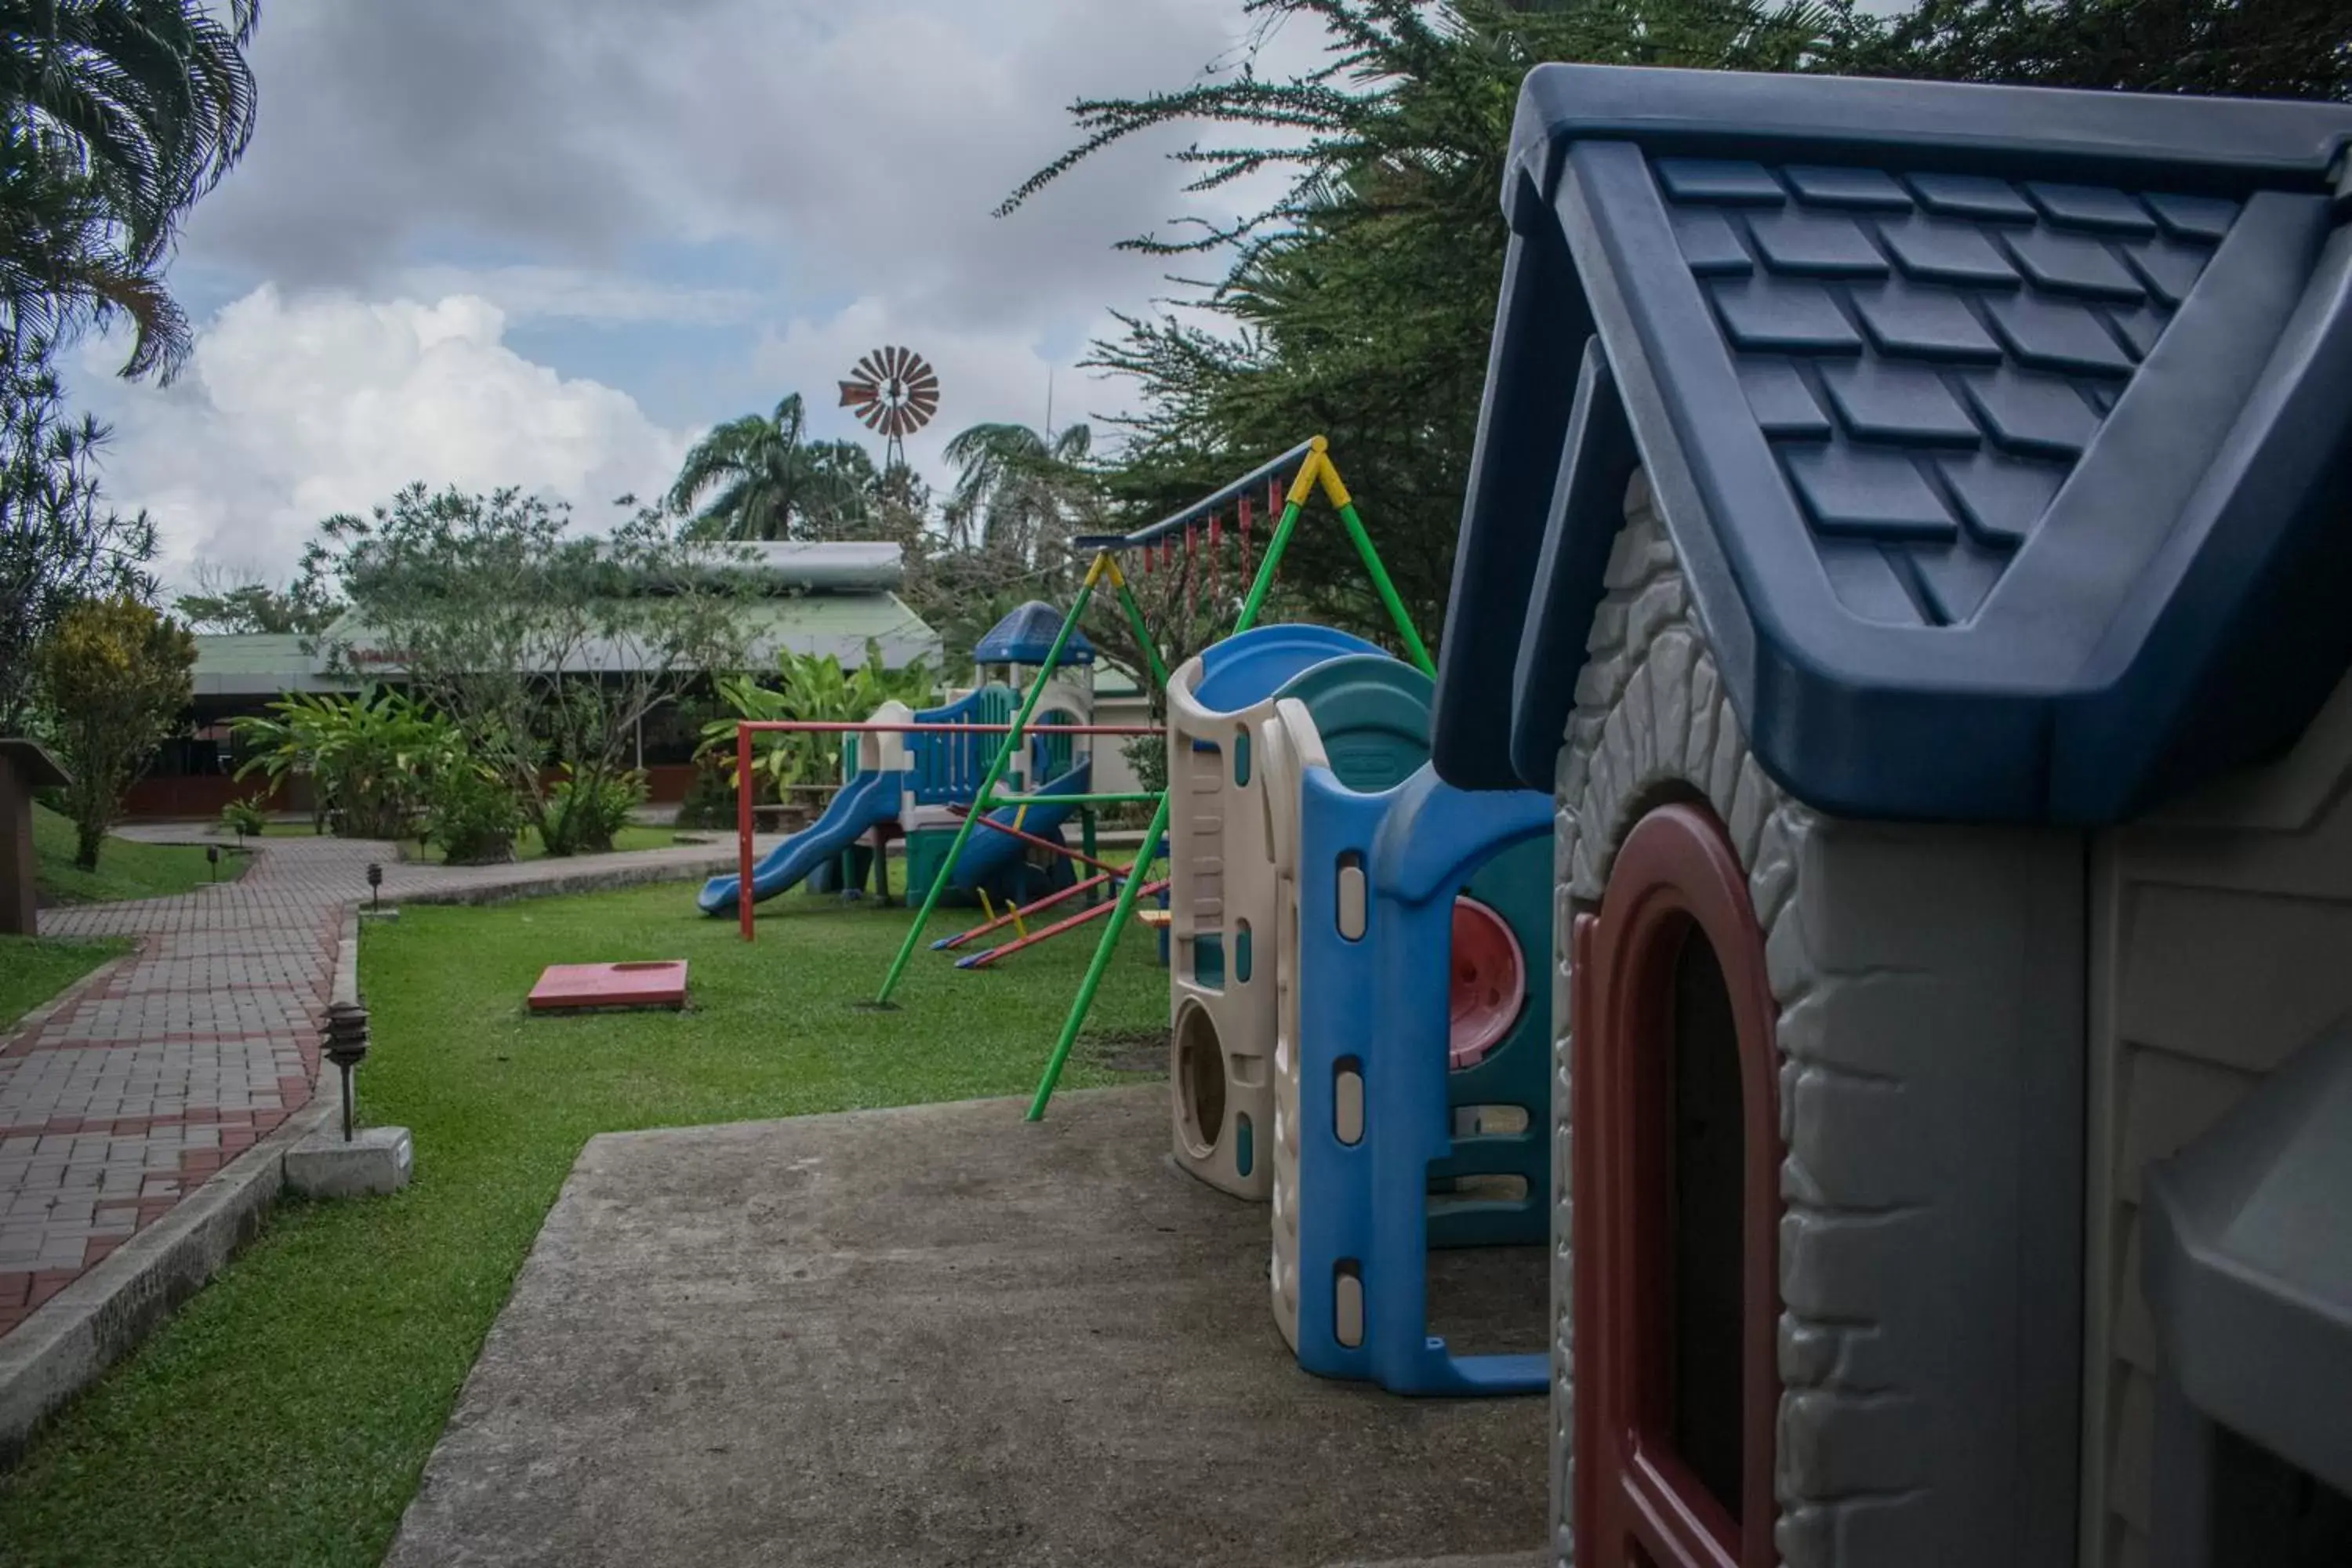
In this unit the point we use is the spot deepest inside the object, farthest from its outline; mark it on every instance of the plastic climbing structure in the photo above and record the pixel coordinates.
(1290, 482)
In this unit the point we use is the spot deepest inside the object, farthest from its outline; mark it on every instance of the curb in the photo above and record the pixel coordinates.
(93, 1323)
(588, 880)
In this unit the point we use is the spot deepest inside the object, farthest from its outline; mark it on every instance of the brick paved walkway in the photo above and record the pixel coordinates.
(121, 1104)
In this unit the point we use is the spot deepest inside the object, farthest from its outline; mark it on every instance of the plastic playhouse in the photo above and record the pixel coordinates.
(1907, 541)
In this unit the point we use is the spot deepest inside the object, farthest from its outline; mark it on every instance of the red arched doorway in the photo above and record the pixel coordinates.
(1676, 1160)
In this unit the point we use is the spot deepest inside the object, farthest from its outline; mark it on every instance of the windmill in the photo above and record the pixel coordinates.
(895, 391)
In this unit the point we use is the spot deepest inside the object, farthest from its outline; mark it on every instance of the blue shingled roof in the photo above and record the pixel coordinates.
(2003, 434)
(1026, 636)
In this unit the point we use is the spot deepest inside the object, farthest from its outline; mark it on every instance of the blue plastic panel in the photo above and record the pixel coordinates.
(1383, 999)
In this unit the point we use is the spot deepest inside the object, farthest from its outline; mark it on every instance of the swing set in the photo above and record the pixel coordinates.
(1309, 472)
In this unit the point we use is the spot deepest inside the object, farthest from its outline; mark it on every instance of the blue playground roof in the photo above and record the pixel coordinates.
(1026, 636)
(2004, 434)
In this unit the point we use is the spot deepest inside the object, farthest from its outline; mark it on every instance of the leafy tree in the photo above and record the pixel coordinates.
(115, 117)
(117, 676)
(228, 601)
(771, 481)
(59, 545)
(1360, 301)
(543, 646)
(2260, 48)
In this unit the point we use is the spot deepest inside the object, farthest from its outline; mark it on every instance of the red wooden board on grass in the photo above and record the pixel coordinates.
(577, 987)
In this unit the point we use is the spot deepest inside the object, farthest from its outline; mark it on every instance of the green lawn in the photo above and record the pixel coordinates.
(284, 1415)
(126, 868)
(34, 969)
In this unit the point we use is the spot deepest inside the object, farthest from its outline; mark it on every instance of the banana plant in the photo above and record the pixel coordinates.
(813, 689)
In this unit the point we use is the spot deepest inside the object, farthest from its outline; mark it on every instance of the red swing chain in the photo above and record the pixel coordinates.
(1216, 544)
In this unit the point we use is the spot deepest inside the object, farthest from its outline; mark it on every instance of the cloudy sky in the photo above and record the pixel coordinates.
(549, 242)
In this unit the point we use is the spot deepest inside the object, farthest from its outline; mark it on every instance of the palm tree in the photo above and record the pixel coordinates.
(1019, 490)
(115, 117)
(772, 481)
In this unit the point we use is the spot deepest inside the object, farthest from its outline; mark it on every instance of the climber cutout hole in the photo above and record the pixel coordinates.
(1348, 1100)
(1199, 1080)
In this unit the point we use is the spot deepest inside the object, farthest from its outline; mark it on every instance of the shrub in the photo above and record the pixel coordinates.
(370, 757)
(245, 819)
(583, 814)
(473, 816)
(116, 675)
(710, 799)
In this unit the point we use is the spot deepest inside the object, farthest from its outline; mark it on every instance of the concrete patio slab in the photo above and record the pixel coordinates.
(942, 1336)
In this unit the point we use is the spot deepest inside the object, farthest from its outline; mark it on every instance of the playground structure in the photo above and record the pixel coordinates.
(1347, 939)
(1412, 1076)
(916, 777)
(1348, 961)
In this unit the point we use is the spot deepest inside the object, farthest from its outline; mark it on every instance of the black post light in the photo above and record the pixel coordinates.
(376, 887)
(347, 1045)
(212, 862)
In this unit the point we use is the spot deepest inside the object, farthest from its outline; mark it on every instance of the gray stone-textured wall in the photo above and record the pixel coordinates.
(1930, 987)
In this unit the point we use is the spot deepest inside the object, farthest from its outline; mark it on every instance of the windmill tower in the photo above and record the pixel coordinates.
(896, 392)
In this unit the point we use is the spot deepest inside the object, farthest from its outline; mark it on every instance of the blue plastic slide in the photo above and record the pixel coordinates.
(864, 801)
(986, 853)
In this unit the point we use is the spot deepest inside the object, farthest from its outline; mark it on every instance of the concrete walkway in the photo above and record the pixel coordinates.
(943, 1335)
(122, 1101)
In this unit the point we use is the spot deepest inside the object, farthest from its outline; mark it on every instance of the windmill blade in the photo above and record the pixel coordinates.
(869, 367)
(857, 393)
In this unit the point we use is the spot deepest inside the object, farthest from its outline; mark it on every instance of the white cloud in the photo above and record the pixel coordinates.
(296, 409)
(530, 293)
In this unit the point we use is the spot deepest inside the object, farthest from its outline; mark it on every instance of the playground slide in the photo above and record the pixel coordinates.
(986, 853)
(864, 801)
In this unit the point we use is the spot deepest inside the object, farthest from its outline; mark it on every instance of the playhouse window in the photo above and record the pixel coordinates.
(1675, 1185)
(1704, 1201)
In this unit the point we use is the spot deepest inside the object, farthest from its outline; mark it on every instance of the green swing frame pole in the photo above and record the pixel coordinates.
(1130, 798)
(1386, 588)
(1125, 905)
(988, 781)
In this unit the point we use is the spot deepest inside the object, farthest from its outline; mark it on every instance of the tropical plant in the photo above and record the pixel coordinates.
(1020, 494)
(471, 815)
(584, 813)
(57, 545)
(545, 647)
(371, 757)
(245, 817)
(772, 481)
(116, 678)
(115, 117)
(815, 689)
